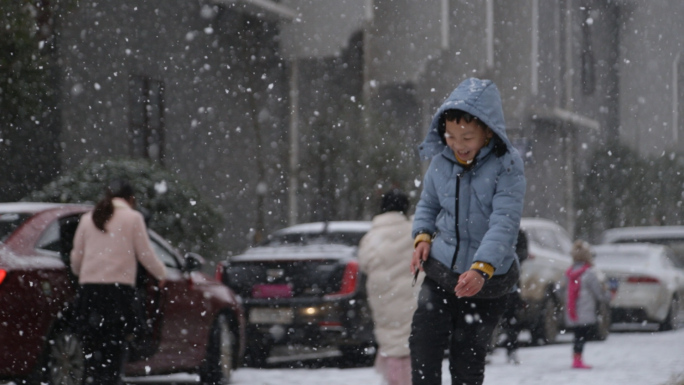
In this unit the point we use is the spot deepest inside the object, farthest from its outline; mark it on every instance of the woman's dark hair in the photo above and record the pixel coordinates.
(394, 200)
(104, 209)
(458, 115)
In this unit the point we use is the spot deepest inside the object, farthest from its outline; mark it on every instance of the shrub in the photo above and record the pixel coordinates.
(175, 208)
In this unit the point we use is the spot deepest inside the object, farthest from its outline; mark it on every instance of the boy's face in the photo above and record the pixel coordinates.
(466, 138)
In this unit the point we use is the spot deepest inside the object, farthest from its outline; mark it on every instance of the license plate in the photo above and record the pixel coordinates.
(271, 316)
(613, 284)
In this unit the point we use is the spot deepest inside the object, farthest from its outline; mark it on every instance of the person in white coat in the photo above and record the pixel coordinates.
(383, 254)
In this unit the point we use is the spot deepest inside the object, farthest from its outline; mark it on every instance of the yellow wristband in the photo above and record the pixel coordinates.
(422, 237)
(483, 267)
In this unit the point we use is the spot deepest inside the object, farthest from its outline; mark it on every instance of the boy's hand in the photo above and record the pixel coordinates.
(421, 253)
(469, 284)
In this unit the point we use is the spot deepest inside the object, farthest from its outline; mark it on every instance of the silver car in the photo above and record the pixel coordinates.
(549, 256)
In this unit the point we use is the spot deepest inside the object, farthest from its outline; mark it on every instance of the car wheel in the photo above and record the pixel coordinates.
(64, 361)
(220, 360)
(357, 355)
(256, 354)
(546, 329)
(671, 322)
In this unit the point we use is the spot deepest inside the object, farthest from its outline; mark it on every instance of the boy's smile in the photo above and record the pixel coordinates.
(466, 138)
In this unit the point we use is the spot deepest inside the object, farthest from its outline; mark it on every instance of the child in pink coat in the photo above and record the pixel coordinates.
(584, 292)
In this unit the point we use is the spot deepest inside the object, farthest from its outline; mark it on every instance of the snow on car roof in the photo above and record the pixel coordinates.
(642, 233)
(30, 207)
(334, 226)
(537, 222)
(627, 248)
(298, 252)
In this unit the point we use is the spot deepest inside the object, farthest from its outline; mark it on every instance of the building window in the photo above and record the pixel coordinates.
(588, 60)
(146, 117)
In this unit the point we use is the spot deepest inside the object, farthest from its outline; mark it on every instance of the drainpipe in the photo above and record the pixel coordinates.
(569, 129)
(294, 143)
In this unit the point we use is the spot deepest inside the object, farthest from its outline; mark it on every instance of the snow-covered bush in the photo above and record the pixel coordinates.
(176, 210)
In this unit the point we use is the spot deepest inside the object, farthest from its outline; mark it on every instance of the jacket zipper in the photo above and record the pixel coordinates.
(458, 234)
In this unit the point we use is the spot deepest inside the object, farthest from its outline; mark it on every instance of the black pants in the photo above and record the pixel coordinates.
(463, 325)
(105, 321)
(581, 334)
(510, 323)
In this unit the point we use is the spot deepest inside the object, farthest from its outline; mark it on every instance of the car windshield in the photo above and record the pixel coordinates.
(337, 238)
(622, 258)
(10, 222)
(676, 244)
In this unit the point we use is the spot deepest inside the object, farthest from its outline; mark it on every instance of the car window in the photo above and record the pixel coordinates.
(627, 258)
(58, 237)
(564, 242)
(67, 231)
(675, 244)
(10, 222)
(666, 262)
(50, 240)
(545, 238)
(674, 260)
(164, 254)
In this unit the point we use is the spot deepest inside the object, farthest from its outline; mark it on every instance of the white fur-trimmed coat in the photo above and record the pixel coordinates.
(385, 256)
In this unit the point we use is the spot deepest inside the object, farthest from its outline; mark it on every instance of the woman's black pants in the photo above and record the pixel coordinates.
(104, 320)
(510, 323)
(581, 335)
(464, 326)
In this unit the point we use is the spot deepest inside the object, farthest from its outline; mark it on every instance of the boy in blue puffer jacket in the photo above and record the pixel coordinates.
(467, 223)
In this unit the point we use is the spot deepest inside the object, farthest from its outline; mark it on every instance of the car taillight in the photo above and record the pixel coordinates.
(642, 279)
(3, 274)
(349, 279)
(219, 272)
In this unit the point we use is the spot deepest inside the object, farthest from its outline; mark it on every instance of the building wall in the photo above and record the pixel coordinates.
(224, 83)
(650, 40)
(607, 66)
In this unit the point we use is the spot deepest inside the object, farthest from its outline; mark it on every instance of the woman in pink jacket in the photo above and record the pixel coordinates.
(109, 243)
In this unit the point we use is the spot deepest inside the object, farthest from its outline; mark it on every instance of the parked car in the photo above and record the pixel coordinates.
(542, 272)
(198, 322)
(671, 236)
(649, 286)
(303, 288)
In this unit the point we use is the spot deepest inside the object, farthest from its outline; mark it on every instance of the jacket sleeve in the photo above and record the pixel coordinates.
(363, 253)
(143, 249)
(77, 251)
(597, 289)
(507, 207)
(428, 207)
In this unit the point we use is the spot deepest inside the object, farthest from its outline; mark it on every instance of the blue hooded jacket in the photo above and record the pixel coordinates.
(474, 212)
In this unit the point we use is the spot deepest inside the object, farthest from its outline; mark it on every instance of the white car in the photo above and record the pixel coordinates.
(649, 286)
(671, 236)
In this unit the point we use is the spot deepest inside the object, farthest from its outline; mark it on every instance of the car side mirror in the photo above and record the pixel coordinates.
(193, 262)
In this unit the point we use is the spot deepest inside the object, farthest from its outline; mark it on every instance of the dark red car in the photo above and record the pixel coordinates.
(198, 322)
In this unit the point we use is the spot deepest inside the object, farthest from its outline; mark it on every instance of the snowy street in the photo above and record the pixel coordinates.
(635, 358)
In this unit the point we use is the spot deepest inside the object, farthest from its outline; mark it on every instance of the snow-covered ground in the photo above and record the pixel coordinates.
(635, 358)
